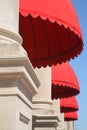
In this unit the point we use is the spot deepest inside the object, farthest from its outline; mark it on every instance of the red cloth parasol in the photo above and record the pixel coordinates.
(64, 81)
(50, 30)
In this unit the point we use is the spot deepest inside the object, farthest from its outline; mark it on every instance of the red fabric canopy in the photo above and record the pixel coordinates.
(50, 30)
(71, 116)
(68, 104)
(64, 81)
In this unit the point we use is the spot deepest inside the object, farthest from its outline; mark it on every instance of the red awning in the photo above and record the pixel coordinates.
(50, 30)
(71, 116)
(68, 104)
(64, 81)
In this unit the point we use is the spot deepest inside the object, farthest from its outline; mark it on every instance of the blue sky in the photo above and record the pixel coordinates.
(79, 65)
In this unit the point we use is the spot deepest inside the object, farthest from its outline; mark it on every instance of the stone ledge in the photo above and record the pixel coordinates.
(20, 75)
(45, 120)
(24, 119)
(21, 62)
(14, 91)
(36, 101)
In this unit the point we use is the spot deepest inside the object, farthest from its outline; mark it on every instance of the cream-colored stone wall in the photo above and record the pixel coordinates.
(22, 101)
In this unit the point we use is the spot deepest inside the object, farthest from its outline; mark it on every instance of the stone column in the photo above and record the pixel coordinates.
(43, 98)
(62, 123)
(18, 82)
(9, 15)
(69, 125)
(44, 116)
(56, 107)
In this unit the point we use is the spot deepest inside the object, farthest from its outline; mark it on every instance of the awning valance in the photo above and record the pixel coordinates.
(71, 116)
(68, 104)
